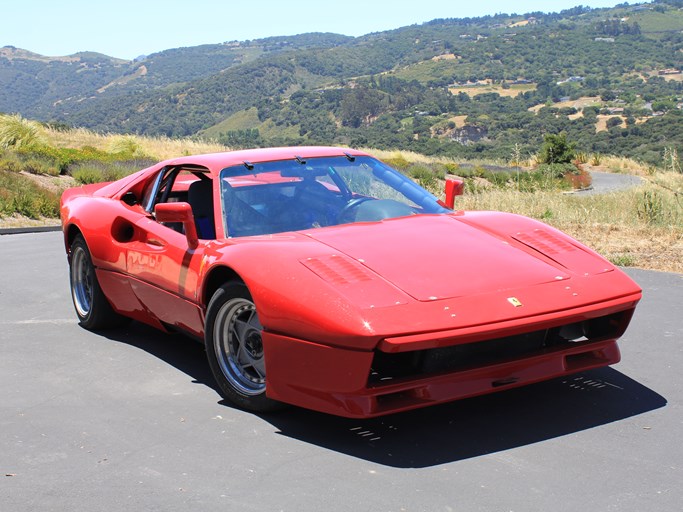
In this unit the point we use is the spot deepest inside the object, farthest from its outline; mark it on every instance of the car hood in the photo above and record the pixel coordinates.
(433, 257)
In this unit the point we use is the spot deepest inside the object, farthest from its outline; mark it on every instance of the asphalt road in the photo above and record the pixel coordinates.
(605, 182)
(130, 421)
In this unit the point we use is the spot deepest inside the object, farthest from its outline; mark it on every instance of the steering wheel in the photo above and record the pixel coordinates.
(349, 207)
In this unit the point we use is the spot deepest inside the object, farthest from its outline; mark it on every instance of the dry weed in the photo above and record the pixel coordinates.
(159, 148)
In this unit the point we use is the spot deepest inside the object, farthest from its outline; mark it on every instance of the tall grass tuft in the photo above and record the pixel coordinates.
(17, 132)
(126, 145)
(94, 171)
(156, 148)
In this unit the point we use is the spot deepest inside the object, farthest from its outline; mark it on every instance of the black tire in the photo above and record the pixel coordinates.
(92, 307)
(235, 350)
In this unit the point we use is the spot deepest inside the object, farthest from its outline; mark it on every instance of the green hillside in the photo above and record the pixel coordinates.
(506, 79)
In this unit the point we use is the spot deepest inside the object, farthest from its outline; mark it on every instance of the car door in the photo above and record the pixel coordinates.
(163, 269)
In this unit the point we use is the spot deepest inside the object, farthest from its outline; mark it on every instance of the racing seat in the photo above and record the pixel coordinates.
(242, 219)
(200, 197)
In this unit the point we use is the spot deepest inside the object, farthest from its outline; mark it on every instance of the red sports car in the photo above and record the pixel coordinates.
(323, 278)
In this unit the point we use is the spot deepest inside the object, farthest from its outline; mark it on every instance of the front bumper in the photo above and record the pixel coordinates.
(345, 382)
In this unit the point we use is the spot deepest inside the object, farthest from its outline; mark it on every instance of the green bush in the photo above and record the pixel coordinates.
(557, 170)
(425, 176)
(127, 146)
(96, 172)
(10, 162)
(18, 194)
(452, 168)
(87, 175)
(556, 149)
(650, 207)
(18, 161)
(398, 162)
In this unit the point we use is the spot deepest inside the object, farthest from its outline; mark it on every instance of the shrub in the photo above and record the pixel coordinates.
(126, 146)
(581, 158)
(19, 194)
(614, 121)
(17, 132)
(452, 167)
(398, 161)
(97, 171)
(622, 260)
(650, 207)
(425, 176)
(28, 161)
(558, 170)
(556, 149)
(10, 162)
(87, 175)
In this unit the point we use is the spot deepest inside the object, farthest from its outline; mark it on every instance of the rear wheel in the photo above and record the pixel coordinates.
(92, 307)
(234, 348)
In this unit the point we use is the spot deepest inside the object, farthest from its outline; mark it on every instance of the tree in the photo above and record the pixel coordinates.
(556, 149)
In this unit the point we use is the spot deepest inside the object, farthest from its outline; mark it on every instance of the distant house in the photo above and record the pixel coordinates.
(669, 71)
(571, 79)
(604, 39)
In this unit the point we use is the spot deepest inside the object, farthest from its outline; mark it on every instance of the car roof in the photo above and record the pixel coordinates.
(215, 162)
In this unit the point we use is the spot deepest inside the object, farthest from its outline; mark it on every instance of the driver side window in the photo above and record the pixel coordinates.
(159, 189)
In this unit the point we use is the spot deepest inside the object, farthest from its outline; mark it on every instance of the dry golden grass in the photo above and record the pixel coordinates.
(618, 164)
(159, 148)
(446, 56)
(601, 123)
(459, 121)
(639, 227)
(513, 91)
(417, 158)
(584, 101)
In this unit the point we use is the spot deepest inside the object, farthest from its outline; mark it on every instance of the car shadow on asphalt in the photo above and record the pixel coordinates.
(177, 350)
(443, 433)
(481, 425)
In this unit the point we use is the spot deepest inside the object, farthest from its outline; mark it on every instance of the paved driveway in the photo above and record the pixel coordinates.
(606, 182)
(129, 420)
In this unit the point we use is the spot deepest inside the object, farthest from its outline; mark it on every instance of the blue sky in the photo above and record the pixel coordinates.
(129, 28)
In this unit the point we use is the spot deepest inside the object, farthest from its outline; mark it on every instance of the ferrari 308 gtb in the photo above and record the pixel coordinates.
(323, 278)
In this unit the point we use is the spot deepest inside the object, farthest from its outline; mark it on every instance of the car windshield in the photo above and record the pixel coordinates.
(293, 195)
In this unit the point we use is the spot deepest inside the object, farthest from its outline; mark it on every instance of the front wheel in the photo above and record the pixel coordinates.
(234, 348)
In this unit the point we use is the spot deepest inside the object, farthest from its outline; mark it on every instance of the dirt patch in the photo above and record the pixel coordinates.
(447, 56)
(579, 104)
(511, 92)
(459, 121)
(56, 184)
(601, 124)
(19, 221)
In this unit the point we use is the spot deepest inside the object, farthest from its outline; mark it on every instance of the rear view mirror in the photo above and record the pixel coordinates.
(453, 188)
(179, 212)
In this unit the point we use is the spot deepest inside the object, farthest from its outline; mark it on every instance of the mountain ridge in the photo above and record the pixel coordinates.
(396, 87)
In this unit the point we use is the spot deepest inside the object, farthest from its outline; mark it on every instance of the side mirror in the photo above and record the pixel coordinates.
(453, 188)
(179, 212)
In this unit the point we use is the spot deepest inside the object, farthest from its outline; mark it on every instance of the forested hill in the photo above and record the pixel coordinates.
(491, 86)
